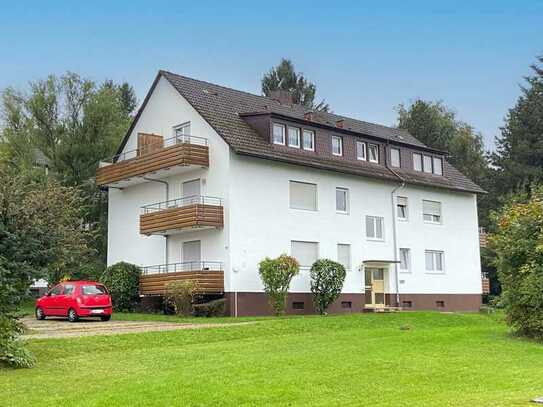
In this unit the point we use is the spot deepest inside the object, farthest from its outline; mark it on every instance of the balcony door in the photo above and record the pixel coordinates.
(192, 255)
(190, 190)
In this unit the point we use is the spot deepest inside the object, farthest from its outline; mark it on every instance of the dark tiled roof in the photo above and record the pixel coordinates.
(221, 108)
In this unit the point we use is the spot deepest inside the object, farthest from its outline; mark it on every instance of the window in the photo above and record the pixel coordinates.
(434, 261)
(374, 153)
(346, 304)
(337, 145)
(344, 255)
(395, 157)
(375, 228)
(68, 289)
(294, 137)
(427, 164)
(404, 259)
(309, 140)
(440, 304)
(192, 255)
(431, 211)
(407, 304)
(401, 205)
(57, 290)
(93, 290)
(303, 196)
(278, 134)
(361, 150)
(342, 200)
(417, 162)
(182, 132)
(305, 252)
(438, 166)
(298, 305)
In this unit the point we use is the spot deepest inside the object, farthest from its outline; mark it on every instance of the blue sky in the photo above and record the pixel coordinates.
(365, 57)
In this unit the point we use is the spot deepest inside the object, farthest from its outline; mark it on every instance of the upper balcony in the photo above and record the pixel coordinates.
(154, 157)
(178, 215)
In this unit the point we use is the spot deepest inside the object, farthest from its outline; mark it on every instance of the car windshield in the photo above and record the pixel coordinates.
(93, 290)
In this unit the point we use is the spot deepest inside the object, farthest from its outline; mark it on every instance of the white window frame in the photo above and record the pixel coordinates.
(305, 267)
(297, 129)
(417, 158)
(424, 165)
(347, 198)
(376, 146)
(440, 165)
(399, 158)
(434, 254)
(180, 134)
(311, 135)
(433, 222)
(406, 218)
(408, 269)
(350, 265)
(375, 219)
(274, 125)
(361, 146)
(316, 196)
(340, 139)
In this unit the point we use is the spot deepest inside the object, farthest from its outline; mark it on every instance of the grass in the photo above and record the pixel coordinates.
(358, 359)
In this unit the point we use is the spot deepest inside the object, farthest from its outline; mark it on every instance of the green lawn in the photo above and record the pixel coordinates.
(359, 359)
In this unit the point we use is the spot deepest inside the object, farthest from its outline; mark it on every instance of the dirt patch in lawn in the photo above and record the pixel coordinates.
(61, 328)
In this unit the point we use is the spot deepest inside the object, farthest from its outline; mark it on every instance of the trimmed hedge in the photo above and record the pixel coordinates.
(123, 282)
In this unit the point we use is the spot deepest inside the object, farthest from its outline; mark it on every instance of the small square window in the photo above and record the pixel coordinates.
(337, 145)
(298, 305)
(361, 151)
(374, 153)
(346, 304)
(407, 304)
(440, 304)
(294, 137)
(395, 157)
(309, 140)
(434, 261)
(431, 211)
(278, 134)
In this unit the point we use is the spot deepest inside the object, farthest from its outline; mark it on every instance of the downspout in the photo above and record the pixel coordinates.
(166, 254)
(394, 225)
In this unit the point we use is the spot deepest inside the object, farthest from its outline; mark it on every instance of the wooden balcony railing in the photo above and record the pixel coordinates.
(208, 276)
(193, 212)
(178, 151)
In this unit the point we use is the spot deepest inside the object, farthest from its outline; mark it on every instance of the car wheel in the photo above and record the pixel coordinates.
(105, 318)
(40, 315)
(72, 315)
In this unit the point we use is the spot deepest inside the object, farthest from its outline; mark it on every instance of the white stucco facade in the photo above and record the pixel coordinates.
(259, 222)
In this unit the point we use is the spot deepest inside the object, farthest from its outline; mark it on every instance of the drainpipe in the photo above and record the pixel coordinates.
(166, 254)
(394, 226)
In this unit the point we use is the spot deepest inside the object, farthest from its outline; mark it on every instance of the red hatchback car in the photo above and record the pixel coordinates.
(75, 299)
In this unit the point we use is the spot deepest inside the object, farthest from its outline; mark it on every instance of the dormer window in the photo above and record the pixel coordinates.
(294, 137)
(337, 145)
(278, 134)
(395, 157)
(361, 152)
(309, 140)
(438, 166)
(427, 161)
(373, 153)
(417, 162)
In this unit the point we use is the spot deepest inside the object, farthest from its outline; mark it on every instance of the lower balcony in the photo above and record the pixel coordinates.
(208, 275)
(178, 215)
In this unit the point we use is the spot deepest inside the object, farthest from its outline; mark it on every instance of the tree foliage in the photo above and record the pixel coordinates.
(327, 278)
(518, 243)
(276, 275)
(122, 281)
(285, 77)
(40, 237)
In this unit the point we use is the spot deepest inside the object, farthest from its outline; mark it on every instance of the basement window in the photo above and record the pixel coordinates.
(440, 304)
(346, 304)
(298, 305)
(407, 304)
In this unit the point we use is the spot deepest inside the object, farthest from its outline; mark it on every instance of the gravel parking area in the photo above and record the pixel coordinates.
(61, 328)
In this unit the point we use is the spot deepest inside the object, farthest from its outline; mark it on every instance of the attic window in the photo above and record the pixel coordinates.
(210, 92)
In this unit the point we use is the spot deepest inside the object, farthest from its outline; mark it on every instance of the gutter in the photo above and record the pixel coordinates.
(165, 183)
(394, 225)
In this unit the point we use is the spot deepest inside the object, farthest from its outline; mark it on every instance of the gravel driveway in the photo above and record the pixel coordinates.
(61, 328)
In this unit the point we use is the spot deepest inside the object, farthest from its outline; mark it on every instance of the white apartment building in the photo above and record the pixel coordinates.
(209, 180)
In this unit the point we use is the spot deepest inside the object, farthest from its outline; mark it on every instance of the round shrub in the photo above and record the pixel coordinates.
(276, 275)
(181, 294)
(123, 281)
(327, 279)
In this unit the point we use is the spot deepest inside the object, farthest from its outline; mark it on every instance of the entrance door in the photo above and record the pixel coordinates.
(375, 287)
(191, 191)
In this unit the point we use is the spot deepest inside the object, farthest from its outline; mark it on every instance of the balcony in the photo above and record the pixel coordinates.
(179, 215)
(208, 275)
(157, 158)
